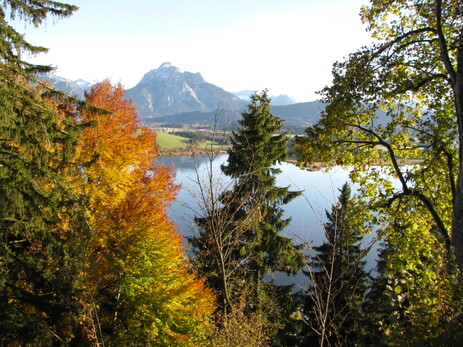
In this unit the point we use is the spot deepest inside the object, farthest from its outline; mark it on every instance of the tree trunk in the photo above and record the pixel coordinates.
(457, 227)
(227, 304)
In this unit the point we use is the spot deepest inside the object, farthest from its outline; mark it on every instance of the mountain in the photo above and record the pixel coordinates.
(75, 88)
(167, 91)
(277, 100)
(282, 99)
(244, 94)
(302, 114)
(222, 118)
(296, 117)
(167, 95)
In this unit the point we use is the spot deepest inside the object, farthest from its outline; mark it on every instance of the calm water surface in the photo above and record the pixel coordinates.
(320, 191)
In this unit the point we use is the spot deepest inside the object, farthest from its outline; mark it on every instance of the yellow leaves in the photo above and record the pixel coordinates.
(139, 257)
(119, 156)
(418, 280)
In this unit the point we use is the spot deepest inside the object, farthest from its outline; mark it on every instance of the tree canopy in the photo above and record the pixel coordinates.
(256, 147)
(240, 239)
(398, 104)
(13, 44)
(413, 76)
(338, 279)
(87, 254)
(139, 278)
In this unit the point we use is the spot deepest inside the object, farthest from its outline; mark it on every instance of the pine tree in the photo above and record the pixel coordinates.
(339, 281)
(13, 44)
(42, 222)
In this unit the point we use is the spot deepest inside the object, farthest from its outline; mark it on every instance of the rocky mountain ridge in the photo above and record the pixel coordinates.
(168, 95)
(75, 88)
(167, 91)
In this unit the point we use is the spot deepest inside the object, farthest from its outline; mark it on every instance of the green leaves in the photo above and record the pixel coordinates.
(398, 104)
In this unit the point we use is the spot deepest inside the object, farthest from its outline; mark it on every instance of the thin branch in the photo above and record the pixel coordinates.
(401, 38)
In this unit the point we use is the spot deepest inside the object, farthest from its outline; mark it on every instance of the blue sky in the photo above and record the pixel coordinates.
(287, 46)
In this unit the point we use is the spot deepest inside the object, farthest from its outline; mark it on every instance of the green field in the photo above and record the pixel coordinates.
(169, 141)
(165, 140)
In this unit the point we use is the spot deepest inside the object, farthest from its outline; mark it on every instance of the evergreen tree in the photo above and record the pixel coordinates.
(42, 221)
(216, 246)
(13, 44)
(256, 147)
(339, 282)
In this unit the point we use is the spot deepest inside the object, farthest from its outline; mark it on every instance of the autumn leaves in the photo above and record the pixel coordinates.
(138, 277)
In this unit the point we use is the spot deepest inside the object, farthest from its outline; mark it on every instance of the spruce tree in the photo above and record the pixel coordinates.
(42, 220)
(339, 281)
(256, 147)
(239, 240)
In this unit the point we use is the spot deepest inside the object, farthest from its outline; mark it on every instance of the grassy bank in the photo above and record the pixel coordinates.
(169, 141)
(174, 145)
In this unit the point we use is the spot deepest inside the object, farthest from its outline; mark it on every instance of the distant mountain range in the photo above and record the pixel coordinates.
(277, 100)
(296, 116)
(167, 95)
(75, 88)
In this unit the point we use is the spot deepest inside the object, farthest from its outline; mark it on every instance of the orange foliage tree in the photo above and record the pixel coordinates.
(139, 284)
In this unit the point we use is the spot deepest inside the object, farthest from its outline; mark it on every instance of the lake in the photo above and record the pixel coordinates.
(307, 212)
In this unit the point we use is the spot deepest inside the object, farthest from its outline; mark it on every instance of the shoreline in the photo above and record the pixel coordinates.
(313, 166)
(318, 165)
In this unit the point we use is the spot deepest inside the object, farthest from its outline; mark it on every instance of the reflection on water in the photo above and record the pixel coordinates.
(307, 212)
(320, 191)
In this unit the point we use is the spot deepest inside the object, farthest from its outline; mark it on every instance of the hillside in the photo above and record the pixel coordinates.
(296, 116)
